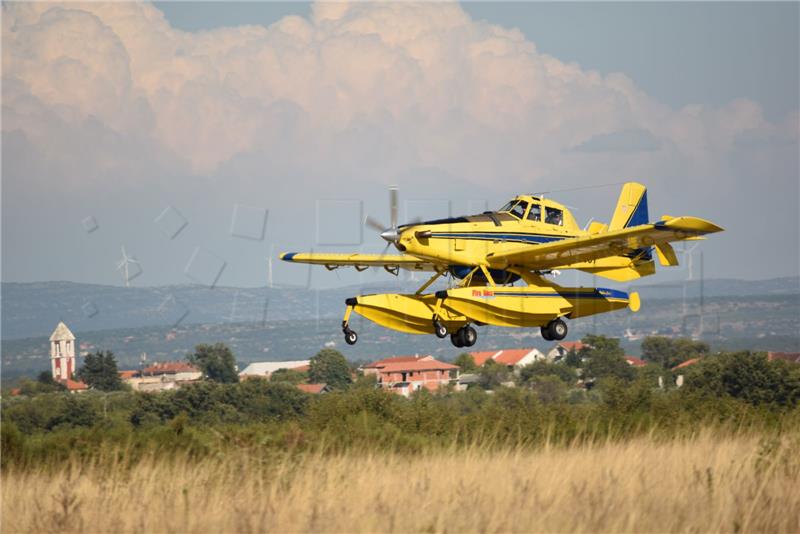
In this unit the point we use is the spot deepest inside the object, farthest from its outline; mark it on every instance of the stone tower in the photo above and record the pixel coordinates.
(62, 352)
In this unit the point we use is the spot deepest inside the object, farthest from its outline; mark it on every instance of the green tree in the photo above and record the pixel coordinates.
(216, 361)
(670, 352)
(541, 368)
(493, 375)
(466, 362)
(287, 375)
(573, 359)
(605, 358)
(330, 366)
(99, 371)
(747, 376)
(549, 388)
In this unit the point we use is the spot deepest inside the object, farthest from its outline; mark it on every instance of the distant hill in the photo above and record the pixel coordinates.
(33, 309)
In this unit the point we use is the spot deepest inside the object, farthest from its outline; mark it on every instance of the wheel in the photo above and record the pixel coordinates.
(557, 329)
(545, 331)
(456, 338)
(350, 337)
(439, 330)
(469, 335)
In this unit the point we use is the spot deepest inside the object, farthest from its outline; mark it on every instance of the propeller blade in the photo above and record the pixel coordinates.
(393, 204)
(375, 225)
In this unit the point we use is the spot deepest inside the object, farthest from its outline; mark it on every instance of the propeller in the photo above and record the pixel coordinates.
(390, 234)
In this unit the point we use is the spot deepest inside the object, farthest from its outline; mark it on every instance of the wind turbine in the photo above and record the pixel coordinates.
(269, 265)
(125, 264)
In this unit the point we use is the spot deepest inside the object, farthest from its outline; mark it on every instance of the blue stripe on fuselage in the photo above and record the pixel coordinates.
(491, 236)
(599, 293)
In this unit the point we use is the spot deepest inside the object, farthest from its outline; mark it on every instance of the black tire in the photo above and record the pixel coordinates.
(469, 335)
(439, 329)
(350, 337)
(456, 339)
(558, 329)
(545, 331)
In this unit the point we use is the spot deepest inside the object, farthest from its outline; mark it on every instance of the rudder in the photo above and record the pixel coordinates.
(631, 207)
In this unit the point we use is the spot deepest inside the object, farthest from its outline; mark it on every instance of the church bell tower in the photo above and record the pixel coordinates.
(62, 353)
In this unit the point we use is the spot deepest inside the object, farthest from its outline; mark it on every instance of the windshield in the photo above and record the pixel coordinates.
(508, 206)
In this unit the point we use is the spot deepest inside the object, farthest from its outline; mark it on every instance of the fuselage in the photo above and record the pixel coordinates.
(467, 240)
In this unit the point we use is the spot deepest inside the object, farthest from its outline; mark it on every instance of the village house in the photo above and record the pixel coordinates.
(374, 367)
(314, 389)
(680, 366)
(514, 359)
(162, 376)
(792, 357)
(635, 362)
(265, 369)
(405, 374)
(561, 350)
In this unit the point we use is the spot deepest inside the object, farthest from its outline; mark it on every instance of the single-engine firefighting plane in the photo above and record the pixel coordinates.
(526, 239)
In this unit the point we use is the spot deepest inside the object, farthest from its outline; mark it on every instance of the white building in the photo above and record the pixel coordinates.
(62, 353)
(563, 348)
(265, 369)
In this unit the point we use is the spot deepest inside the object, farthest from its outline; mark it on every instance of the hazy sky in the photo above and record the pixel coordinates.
(203, 134)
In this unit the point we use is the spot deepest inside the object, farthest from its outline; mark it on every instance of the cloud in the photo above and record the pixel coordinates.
(625, 141)
(356, 93)
(435, 87)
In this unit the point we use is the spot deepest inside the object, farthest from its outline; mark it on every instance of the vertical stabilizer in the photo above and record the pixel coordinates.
(631, 207)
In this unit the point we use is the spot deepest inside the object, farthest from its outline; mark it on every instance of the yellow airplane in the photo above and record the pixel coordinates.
(529, 237)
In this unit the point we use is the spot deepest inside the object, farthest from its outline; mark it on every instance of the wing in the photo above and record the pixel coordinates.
(626, 241)
(390, 262)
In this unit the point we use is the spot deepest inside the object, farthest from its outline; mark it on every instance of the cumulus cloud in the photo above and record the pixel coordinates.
(361, 90)
(438, 88)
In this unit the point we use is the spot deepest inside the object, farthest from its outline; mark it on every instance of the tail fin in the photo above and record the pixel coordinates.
(631, 207)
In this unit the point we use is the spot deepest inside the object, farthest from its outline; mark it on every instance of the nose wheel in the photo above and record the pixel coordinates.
(350, 337)
(439, 329)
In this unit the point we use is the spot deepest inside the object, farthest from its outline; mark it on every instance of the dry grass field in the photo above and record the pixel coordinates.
(704, 484)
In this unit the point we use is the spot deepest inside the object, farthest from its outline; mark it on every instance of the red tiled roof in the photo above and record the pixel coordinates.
(311, 388)
(482, 357)
(397, 359)
(169, 368)
(128, 373)
(634, 361)
(687, 363)
(418, 365)
(793, 357)
(504, 356)
(72, 385)
(512, 356)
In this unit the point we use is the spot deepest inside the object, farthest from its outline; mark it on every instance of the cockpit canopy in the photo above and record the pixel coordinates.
(532, 211)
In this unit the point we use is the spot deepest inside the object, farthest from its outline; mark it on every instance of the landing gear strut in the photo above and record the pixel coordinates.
(555, 330)
(350, 337)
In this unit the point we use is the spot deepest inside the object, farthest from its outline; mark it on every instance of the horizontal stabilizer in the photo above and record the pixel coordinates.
(666, 255)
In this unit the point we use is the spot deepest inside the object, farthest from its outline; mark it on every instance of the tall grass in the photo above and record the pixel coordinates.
(703, 483)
